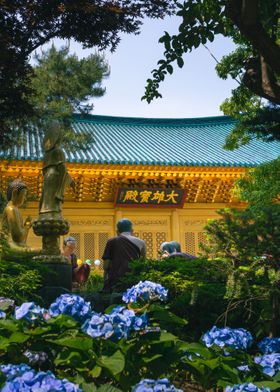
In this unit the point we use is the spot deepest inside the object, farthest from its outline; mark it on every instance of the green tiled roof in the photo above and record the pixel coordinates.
(180, 142)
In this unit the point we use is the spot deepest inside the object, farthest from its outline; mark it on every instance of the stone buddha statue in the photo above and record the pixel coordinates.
(56, 176)
(14, 228)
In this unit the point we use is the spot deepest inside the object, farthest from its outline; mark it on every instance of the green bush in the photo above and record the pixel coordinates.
(196, 289)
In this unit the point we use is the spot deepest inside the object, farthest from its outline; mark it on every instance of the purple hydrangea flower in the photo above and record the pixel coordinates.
(269, 362)
(238, 338)
(30, 312)
(270, 345)
(155, 386)
(248, 387)
(71, 305)
(146, 291)
(36, 357)
(2, 314)
(27, 380)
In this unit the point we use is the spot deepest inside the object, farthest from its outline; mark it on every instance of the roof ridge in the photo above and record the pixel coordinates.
(93, 118)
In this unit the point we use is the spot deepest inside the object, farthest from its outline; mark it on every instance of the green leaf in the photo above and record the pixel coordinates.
(180, 62)
(96, 371)
(114, 363)
(79, 343)
(273, 386)
(9, 325)
(169, 68)
(18, 337)
(151, 359)
(88, 387)
(198, 349)
(72, 358)
(108, 388)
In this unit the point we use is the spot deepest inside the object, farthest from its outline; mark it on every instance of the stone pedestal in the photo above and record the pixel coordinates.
(59, 280)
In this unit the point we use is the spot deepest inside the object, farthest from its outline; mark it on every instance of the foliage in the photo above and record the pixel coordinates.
(255, 64)
(20, 277)
(148, 352)
(63, 85)
(19, 281)
(25, 26)
(261, 185)
(88, 361)
(94, 282)
(196, 289)
(250, 241)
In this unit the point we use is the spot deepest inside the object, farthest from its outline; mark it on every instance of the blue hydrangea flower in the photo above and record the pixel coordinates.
(2, 314)
(115, 325)
(97, 327)
(238, 338)
(30, 381)
(269, 362)
(12, 371)
(29, 311)
(243, 368)
(248, 387)
(270, 345)
(146, 291)
(71, 305)
(155, 386)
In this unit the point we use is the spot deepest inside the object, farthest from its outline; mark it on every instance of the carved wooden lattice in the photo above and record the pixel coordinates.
(102, 240)
(148, 238)
(77, 236)
(160, 238)
(190, 243)
(89, 246)
(201, 239)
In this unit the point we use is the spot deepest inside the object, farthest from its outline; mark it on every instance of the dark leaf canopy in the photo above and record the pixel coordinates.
(26, 25)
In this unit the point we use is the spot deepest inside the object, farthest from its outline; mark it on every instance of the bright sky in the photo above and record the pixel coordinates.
(193, 91)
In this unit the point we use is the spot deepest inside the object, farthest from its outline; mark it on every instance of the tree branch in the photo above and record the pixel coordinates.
(245, 15)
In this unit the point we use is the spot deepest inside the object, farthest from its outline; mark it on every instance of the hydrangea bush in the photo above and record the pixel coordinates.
(71, 305)
(238, 338)
(23, 378)
(120, 346)
(115, 325)
(30, 312)
(248, 387)
(155, 386)
(145, 291)
(269, 362)
(269, 345)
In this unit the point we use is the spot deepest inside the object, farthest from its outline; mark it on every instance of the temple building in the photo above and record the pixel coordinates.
(169, 176)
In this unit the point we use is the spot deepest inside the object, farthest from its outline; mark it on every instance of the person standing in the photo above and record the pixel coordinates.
(80, 273)
(119, 251)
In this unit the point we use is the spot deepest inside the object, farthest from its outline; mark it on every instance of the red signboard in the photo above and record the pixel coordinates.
(139, 197)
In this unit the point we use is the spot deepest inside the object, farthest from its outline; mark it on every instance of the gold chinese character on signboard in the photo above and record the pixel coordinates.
(159, 196)
(145, 195)
(131, 195)
(171, 197)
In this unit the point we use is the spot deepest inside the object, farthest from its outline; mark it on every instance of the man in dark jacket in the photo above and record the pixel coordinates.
(119, 251)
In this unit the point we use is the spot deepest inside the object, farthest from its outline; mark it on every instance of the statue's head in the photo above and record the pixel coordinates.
(124, 225)
(16, 192)
(53, 135)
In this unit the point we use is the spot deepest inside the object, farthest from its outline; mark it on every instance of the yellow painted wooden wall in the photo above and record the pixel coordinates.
(93, 223)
